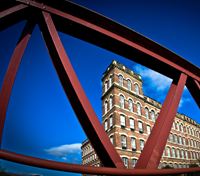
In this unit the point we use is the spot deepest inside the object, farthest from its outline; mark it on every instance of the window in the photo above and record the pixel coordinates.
(175, 139)
(120, 80)
(133, 143)
(111, 121)
(146, 113)
(106, 106)
(181, 128)
(121, 101)
(148, 129)
(178, 153)
(141, 144)
(110, 81)
(182, 154)
(106, 125)
(129, 84)
(173, 153)
(106, 86)
(186, 154)
(153, 115)
(170, 137)
(184, 143)
(134, 161)
(139, 109)
(168, 151)
(122, 120)
(130, 105)
(132, 124)
(123, 141)
(111, 102)
(137, 89)
(125, 161)
(180, 140)
(140, 127)
(111, 139)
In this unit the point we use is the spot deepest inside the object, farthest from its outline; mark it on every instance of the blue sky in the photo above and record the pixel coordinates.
(40, 121)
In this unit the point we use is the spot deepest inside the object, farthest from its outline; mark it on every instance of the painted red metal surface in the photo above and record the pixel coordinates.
(153, 149)
(11, 73)
(70, 18)
(89, 169)
(76, 95)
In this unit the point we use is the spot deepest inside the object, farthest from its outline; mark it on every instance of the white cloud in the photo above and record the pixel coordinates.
(183, 100)
(63, 150)
(156, 80)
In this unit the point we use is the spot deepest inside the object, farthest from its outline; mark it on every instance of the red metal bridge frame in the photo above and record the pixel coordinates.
(94, 28)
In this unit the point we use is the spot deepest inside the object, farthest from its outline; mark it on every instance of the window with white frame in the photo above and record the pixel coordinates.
(133, 143)
(106, 125)
(111, 139)
(134, 161)
(129, 84)
(184, 143)
(173, 153)
(168, 152)
(125, 161)
(153, 115)
(175, 139)
(106, 106)
(141, 144)
(111, 102)
(137, 89)
(182, 154)
(110, 81)
(139, 109)
(122, 120)
(140, 126)
(146, 113)
(170, 137)
(106, 86)
(130, 105)
(180, 140)
(132, 123)
(148, 129)
(111, 121)
(120, 80)
(122, 101)
(178, 153)
(123, 142)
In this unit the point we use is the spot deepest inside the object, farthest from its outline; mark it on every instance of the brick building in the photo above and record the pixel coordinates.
(129, 116)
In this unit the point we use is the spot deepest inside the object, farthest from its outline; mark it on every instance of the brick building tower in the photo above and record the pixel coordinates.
(128, 117)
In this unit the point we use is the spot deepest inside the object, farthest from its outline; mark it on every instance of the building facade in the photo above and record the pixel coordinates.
(128, 118)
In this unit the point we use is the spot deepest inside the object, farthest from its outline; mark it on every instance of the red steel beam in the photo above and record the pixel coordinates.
(12, 15)
(77, 97)
(155, 145)
(11, 73)
(115, 37)
(47, 164)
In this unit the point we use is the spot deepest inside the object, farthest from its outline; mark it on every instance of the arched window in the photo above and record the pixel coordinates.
(121, 101)
(129, 84)
(141, 144)
(122, 120)
(121, 80)
(130, 105)
(178, 153)
(170, 137)
(133, 143)
(106, 86)
(137, 89)
(110, 81)
(182, 154)
(106, 125)
(168, 152)
(140, 127)
(146, 113)
(132, 123)
(106, 106)
(175, 139)
(134, 161)
(111, 102)
(186, 154)
(111, 121)
(139, 110)
(123, 142)
(153, 115)
(173, 153)
(148, 129)
(125, 161)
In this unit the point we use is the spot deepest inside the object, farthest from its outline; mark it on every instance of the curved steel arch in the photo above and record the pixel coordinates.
(92, 27)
